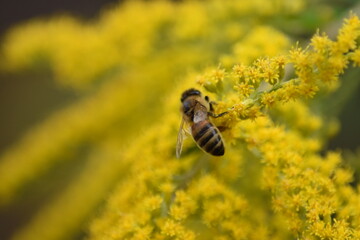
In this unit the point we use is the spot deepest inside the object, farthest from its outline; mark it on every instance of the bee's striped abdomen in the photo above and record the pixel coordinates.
(207, 136)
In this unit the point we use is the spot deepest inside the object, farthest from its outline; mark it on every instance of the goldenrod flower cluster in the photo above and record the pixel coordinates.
(299, 192)
(274, 181)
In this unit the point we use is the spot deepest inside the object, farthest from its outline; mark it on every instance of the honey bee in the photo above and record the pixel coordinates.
(195, 111)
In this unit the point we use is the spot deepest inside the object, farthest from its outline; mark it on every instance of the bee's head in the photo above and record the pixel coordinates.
(190, 92)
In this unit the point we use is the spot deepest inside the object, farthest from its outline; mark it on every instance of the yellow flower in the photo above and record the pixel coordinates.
(355, 57)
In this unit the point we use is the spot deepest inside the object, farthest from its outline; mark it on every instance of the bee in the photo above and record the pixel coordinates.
(196, 110)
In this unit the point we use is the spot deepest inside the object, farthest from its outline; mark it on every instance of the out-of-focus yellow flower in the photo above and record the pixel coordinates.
(253, 46)
(125, 37)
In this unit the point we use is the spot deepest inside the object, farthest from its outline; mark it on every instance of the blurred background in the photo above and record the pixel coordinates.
(30, 96)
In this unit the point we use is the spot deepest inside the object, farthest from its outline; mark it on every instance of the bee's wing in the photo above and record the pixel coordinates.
(180, 138)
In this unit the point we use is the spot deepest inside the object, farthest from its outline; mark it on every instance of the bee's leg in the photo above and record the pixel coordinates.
(222, 128)
(211, 107)
(211, 103)
(211, 114)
